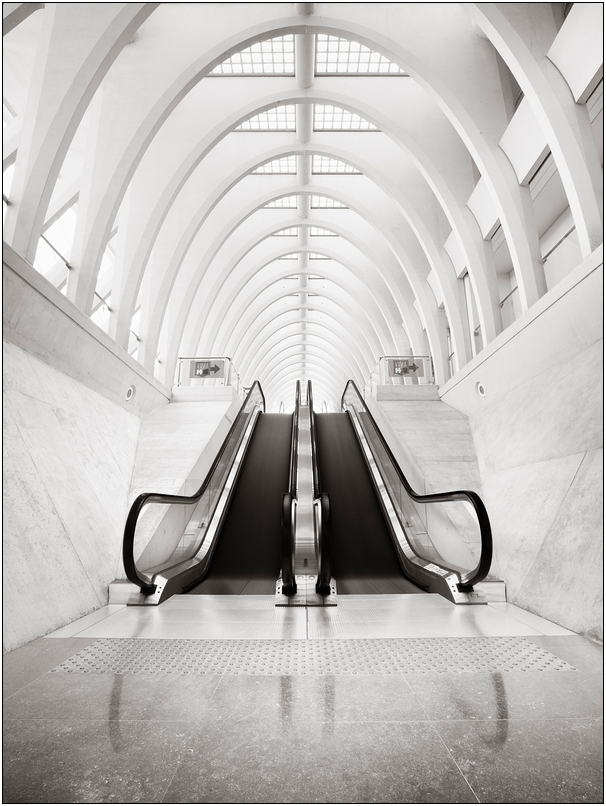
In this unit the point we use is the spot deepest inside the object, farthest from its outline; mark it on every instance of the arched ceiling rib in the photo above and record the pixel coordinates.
(412, 266)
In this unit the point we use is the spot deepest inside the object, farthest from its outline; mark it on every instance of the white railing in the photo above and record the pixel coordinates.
(400, 370)
(204, 371)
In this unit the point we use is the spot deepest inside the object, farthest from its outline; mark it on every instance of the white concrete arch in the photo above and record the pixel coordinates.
(393, 278)
(487, 297)
(289, 376)
(272, 331)
(333, 313)
(292, 355)
(243, 297)
(523, 42)
(236, 270)
(94, 44)
(280, 341)
(334, 319)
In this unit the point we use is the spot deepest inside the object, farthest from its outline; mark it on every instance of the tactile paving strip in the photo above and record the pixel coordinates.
(321, 657)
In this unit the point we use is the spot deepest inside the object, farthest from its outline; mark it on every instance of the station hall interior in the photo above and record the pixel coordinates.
(222, 220)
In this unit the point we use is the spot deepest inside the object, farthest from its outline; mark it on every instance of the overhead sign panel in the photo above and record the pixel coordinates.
(399, 367)
(212, 368)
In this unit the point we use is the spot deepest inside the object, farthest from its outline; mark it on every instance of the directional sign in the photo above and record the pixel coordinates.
(399, 367)
(211, 368)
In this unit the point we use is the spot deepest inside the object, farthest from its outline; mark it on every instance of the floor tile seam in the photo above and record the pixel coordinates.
(454, 761)
(517, 719)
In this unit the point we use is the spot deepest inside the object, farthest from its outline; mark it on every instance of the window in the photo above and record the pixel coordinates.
(283, 165)
(272, 57)
(284, 201)
(327, 165)
(329, 118)
(320, 232)
(336, 56)
(277, 119)
(288, 232)
(321, 202)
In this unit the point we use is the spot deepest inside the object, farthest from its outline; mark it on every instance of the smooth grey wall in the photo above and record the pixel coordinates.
(539, 441)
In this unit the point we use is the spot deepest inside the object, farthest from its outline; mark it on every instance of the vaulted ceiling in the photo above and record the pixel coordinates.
(301, 187)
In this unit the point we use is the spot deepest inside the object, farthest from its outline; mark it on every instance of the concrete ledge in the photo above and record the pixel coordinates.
(425, 391)
(44, 323)
(188, 394)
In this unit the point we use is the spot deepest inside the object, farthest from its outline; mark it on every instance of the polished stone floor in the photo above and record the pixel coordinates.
(231, 700)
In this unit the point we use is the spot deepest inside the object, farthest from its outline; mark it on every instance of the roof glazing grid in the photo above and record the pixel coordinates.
(335, 56)
(289, 256)
(288, 232)
(328, 165)
(283, 165)
(283, 201)
(272, 57)
(277, 119)
(333, 118)
(320, 202)
(320, 232)
(318, 256)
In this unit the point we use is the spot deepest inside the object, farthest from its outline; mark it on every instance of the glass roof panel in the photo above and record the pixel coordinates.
(327, 165)
(336, 56)
(283, 165)
(272, 57)
(289, 231)
(319, 202)
(334, 118)
(283, 201)
(321, 232)
(318, 256)
(277, 119)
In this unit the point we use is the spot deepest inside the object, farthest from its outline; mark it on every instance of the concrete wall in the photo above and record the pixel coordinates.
(434, 447)
(177, 446)
(68, 459)
(539, 441)
(73, 460)
(38, 318)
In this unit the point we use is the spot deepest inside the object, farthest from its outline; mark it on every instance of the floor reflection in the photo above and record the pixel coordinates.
(115, 732)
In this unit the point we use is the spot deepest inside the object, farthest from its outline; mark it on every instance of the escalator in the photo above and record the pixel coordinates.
(364, 559)
(375, 534)
(235, 534)
(247, 558)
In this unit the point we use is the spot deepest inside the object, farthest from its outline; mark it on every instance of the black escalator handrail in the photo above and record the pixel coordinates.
(473, 577)
(321, 508)
(140, 501)
(314, 447)
(292, 476)
(289, 585)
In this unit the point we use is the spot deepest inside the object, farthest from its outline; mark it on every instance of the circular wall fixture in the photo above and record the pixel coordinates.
(480, 389)
(130, 393)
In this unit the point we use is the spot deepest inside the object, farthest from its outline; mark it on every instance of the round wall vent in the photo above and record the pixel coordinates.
(480, 389)
(130, 393)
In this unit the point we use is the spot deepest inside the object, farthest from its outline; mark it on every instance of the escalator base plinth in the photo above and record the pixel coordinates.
(306, 595)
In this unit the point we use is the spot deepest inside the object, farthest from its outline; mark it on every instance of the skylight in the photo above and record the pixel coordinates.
(328, 165)
(288, 232)
(335, 56)
(289, 256)
(283, 165)
(319, 202)
(272, 57)
(283, 201)
(333, 118)
(318, 256)
(320, 232)
(277, 119)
